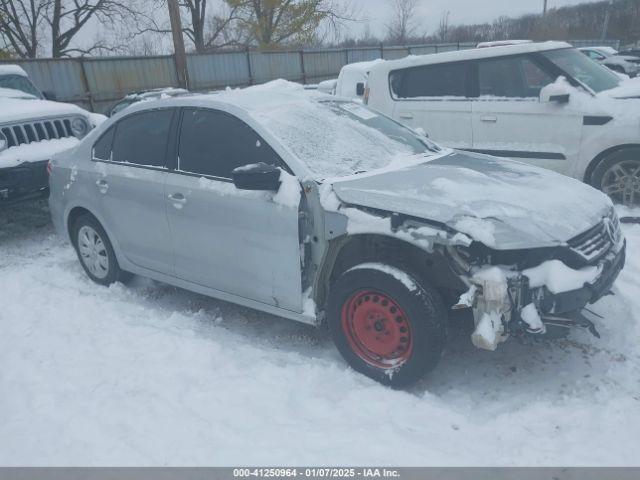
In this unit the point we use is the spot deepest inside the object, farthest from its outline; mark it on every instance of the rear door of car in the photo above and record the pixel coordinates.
(436, 99)
(131, 170)
(239, 242)
(509, 120)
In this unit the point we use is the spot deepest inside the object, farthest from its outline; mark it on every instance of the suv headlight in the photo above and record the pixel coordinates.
(3, 142)
(79, 127)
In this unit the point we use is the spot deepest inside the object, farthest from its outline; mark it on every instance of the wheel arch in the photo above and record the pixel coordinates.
(593, 165)
(349, 250)
(72, 216)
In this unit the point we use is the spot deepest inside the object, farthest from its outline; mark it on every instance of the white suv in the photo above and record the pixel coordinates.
(542, 103)
(32, 130)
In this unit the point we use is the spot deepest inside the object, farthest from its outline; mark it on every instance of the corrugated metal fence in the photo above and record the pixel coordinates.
(96, 83)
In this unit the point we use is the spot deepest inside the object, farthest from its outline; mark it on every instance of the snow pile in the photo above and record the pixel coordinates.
(531, 317)
(558, 278)
(396, 273)
(288, 194)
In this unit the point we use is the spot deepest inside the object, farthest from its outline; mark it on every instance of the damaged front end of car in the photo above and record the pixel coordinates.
(514, 292)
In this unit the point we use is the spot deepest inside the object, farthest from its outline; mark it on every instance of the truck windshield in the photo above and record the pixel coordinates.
(583, 69)
(335, 139)
(20, 83)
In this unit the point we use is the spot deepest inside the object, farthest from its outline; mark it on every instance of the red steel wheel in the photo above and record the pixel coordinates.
(377, 329)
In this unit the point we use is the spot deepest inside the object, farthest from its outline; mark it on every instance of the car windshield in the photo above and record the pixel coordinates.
(336, 139)
(18, 82)
(583, 69)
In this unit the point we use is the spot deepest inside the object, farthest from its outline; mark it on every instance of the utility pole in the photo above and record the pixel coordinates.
(607, 16)
(180, 55)
(544, 8)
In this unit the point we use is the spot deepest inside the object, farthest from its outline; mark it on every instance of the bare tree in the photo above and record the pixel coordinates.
(402, 24)
(443, 27)
(270, 23)
(67, 18)
(206, 23)
(21, 25)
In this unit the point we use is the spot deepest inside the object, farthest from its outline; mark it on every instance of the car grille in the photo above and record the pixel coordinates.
(595, 242)
(30, 132)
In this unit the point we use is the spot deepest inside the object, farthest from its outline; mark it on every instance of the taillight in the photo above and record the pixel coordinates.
(49, 167)
(365, 98)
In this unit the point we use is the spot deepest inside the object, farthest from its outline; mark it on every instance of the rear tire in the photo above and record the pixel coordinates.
(386, 323)
(618, 175)
(95, 251)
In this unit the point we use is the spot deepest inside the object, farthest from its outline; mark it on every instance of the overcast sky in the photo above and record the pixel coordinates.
(461, 11)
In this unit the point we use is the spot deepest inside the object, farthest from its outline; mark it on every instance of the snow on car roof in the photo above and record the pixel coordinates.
(12, 70)
(471, 54)
(502, 43)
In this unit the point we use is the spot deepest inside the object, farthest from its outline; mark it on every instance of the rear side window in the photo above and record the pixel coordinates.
(214, 143)
(142, 138)
(444, 80)
(102, 148)
(512, 77)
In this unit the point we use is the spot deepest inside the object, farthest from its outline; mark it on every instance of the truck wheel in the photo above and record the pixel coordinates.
(618, 175)
(95, 252)
(386, 323)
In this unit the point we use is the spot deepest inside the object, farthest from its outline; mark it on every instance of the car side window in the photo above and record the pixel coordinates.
(214, 143)
(141, 138)
(443, 80)
(511, 77)
(102, 148)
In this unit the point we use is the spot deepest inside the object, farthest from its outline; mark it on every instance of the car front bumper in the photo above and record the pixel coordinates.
(27, 181)
(575, 300)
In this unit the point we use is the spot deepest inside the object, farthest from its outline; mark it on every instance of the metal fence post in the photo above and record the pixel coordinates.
(381, 50)
(304, 74)
(248, 53)
(85, 84)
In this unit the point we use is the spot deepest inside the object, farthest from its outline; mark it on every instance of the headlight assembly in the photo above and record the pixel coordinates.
(79, 127)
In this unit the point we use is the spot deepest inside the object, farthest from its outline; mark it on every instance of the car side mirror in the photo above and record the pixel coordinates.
(257, 176)
(556, 93)
(360, 89)
(50, 96)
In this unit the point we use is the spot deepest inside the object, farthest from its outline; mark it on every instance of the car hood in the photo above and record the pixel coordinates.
(501, 203)
(21, 109)
(627, 89)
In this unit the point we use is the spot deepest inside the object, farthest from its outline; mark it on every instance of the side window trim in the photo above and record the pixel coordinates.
(533, 58)
(131, 164)
(469, 91)
(175, 155)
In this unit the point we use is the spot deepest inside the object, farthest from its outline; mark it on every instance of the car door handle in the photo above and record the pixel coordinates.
(103, 186)
(406, 116)
(489, 118)
(178, 200)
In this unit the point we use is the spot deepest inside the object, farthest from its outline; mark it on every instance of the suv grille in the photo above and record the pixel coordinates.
(29, 132)
(597, 241)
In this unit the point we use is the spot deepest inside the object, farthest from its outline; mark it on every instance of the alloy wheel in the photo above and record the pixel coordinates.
(93, 252)
(621, 181)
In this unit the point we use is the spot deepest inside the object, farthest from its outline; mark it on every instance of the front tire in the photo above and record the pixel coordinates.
(95, 251)
(387, 324)
(618, 175)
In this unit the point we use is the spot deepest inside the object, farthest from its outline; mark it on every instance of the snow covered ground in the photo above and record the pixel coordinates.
(152, 375)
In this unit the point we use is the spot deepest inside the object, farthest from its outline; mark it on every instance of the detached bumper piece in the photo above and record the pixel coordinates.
(25, 182)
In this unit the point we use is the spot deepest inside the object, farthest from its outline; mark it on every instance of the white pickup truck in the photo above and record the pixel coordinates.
(32, 130)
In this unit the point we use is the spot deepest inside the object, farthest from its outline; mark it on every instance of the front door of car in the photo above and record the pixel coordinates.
(510, 120)
(239, 242)
(129, 182)
(435, 98)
